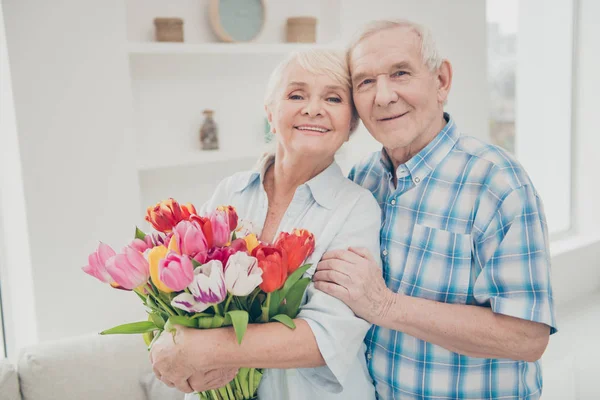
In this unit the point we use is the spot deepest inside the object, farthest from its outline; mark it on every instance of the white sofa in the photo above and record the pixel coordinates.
(90, 367)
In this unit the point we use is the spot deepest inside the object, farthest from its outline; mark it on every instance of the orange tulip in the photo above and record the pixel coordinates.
(166, 214)
(298, 245)
(272, 261)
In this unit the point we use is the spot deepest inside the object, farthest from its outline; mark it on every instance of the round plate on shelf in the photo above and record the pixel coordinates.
(237, 20)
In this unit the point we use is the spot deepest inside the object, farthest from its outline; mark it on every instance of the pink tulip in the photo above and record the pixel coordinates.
(190, 240)
(140, 245)
(97, 263)
(223, 253)
(176, 271)
(129, 269)
(220, 226)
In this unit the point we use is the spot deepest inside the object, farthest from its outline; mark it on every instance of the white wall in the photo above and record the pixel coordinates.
(73, 112)
(15, 283)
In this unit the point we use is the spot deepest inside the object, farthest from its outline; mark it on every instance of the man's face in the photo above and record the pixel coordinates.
(396, 95)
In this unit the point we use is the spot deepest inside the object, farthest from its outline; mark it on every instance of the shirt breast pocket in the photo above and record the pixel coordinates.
(438, 265)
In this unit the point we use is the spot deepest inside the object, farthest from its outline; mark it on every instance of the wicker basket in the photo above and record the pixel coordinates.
(301, 30)
(169, 29)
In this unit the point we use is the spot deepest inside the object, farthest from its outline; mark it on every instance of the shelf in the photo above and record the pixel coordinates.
(197, 159)
(154, 48)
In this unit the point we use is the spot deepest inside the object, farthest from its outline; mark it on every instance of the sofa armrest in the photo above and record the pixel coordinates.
(86, 367)
(9, 381)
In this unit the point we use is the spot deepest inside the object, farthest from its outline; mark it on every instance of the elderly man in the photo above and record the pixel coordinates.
(464, 308)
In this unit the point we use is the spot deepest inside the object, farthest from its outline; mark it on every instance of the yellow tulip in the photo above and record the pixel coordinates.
(251, 242)
(154, 256)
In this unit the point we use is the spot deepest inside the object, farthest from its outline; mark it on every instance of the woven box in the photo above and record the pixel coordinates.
(168, 29)
(301, 30)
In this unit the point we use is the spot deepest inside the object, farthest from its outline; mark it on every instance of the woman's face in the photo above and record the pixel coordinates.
(311, 114)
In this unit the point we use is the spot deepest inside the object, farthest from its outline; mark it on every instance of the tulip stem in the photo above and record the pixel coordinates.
(227, 303)
(217, 311)
(265, 310)
(165, 306)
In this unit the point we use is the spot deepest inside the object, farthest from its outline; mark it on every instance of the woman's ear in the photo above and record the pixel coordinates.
(270, 118)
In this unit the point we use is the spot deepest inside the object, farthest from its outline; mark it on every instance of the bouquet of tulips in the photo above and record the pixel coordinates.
(205, 272)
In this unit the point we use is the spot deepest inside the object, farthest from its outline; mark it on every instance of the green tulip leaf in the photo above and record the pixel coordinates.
(292, 279)
(217, 321)
(275, 302)
(294, 298)
(158, 320)
(239, 319)
(195, 263)
(184, 321)
(205, 322)
(131, 328)
(139, 234)
(284, 319)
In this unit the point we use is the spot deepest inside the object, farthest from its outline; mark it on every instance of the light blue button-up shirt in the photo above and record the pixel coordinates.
(340, 214)
(462, 224)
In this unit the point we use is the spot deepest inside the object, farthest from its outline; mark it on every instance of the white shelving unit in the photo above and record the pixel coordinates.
(199, 158)
(172, 83)
(257, 49)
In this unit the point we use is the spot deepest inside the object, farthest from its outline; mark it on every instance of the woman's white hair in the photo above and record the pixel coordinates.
(318, 62)
(429, 52)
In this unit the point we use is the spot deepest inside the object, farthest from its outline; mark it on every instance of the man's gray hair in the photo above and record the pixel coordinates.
(429, 53)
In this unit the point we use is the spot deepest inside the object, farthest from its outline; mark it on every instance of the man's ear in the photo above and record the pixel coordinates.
(270, 118)
(444, 80)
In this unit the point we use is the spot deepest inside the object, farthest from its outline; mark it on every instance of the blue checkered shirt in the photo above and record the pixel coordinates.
(463, 225)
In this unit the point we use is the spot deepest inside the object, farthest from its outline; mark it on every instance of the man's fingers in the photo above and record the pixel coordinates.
(343, 255)
(334, 265)
(332, 289)
(363, 252)
(333, 276)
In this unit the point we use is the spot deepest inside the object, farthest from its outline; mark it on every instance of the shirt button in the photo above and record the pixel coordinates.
(393, 202)
(385, 252)
(417, 179)
(369, 356)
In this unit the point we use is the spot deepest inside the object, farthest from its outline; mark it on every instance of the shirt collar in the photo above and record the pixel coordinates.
(323, 187)
(426, 160)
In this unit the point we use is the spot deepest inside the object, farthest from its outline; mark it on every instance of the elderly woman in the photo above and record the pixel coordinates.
(309, 105)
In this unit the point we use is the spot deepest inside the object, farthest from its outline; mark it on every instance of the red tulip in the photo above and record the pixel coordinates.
(167, 214)
(273, 262)
(298, 245)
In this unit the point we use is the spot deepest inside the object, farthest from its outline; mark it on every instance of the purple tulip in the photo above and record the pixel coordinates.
(207, 288)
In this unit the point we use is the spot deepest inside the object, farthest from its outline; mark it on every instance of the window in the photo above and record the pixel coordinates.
(530, 57)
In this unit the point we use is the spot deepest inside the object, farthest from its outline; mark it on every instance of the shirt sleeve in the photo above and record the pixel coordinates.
(513, 254)
(338, 331)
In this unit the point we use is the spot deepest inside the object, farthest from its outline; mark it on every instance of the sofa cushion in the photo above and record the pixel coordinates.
(156, 390)
(9, 381)
(89, 367)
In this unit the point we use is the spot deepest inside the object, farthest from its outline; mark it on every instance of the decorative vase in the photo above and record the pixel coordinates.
(209, 138)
